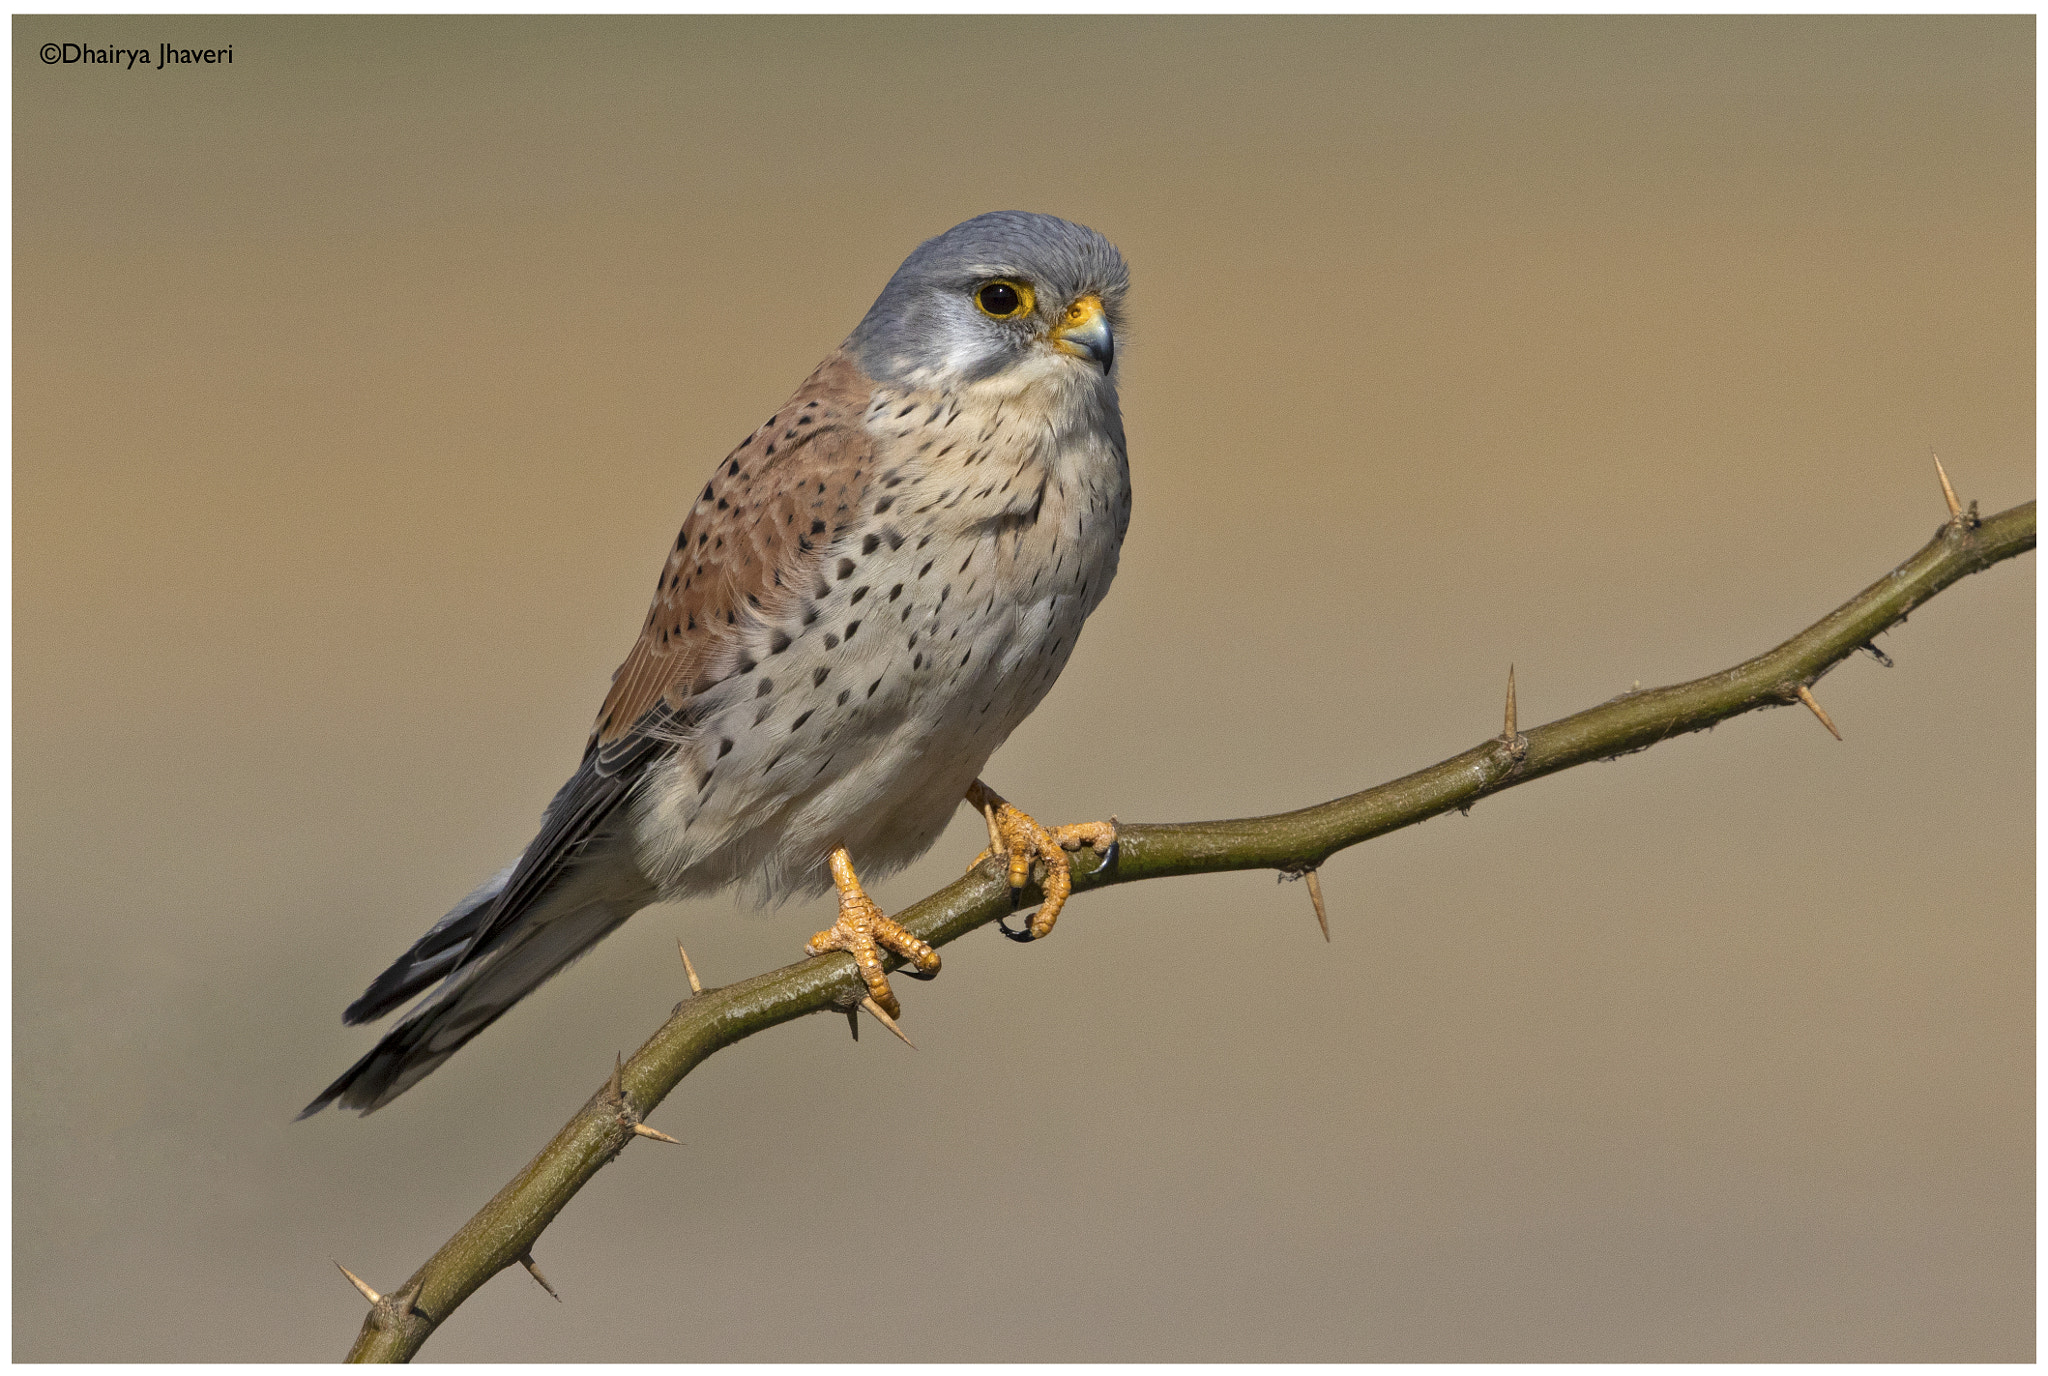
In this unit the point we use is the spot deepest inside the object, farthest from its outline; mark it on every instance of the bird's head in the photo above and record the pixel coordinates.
(1006, 299)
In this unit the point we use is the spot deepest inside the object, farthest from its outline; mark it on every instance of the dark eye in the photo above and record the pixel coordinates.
(1003, 300)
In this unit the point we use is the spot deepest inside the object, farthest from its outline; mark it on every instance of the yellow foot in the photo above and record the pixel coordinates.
(863, 931)
(1016, 835)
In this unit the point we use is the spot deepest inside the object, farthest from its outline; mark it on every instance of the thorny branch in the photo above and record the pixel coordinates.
(503, 1233)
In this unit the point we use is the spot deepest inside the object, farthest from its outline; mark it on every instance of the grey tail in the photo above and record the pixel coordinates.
(560, 925)
(432, 957)
(575, 882)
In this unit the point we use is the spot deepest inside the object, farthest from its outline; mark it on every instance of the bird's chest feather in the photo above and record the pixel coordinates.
(938, 618)
(1002, 523)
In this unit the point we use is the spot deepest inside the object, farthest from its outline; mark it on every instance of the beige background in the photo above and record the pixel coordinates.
(361, 385)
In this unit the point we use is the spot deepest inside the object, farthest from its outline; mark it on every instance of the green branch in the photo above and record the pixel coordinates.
(504, 1231)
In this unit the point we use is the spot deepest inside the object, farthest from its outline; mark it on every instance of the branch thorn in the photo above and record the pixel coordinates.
(1955, 508)
(696, 986)
(1806, 696)
(534, 1271)
(883, 1018)
(1315, 883)
(1507, 734)
(359, 1283)
(995, 834)
(642, 1130)
(611, 1089)
(853, 1022)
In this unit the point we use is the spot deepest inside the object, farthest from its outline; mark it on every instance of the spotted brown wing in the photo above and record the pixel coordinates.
(752, 546)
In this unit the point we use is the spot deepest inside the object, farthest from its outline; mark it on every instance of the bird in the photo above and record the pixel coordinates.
(867, 597)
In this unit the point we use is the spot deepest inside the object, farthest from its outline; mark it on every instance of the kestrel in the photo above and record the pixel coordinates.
(868, 596)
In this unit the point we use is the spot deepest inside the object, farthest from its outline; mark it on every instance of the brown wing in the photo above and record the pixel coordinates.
(753, 542)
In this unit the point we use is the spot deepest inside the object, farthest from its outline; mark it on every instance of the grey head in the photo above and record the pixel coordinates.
(1001, 290)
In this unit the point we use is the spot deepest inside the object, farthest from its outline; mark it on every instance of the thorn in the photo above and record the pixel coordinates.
(853, 1022)
(1508, 734)
(408, 1299)
(995, 834)
(534, 1271)
(357, 1281)
(1315, 883)
(1955, 508)
(696, 987)
(611, 1089)
(1806, 696)
(885, 1020)
(642, 1130)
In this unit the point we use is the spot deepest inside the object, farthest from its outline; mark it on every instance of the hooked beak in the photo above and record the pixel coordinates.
(1084, 332)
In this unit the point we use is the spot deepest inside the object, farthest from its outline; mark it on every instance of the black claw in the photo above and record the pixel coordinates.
(1016, 897)
(1023, 934)
(1109, 856)
(916, 973)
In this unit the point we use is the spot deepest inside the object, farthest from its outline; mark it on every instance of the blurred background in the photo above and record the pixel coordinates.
(361, 385)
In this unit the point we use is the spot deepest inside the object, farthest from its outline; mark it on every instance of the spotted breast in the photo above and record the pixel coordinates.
(948, 570)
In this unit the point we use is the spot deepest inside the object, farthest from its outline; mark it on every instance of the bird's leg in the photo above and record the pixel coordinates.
(1015, 834)
(863, 931)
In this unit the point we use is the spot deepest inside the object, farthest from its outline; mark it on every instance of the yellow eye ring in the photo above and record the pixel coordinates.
(1003, 299)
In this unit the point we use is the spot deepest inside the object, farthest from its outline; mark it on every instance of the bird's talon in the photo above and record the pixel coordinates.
(1014, 833)
(1015, 934)
(864, 932)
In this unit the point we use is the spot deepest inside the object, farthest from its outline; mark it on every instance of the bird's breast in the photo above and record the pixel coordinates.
(938, 618)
